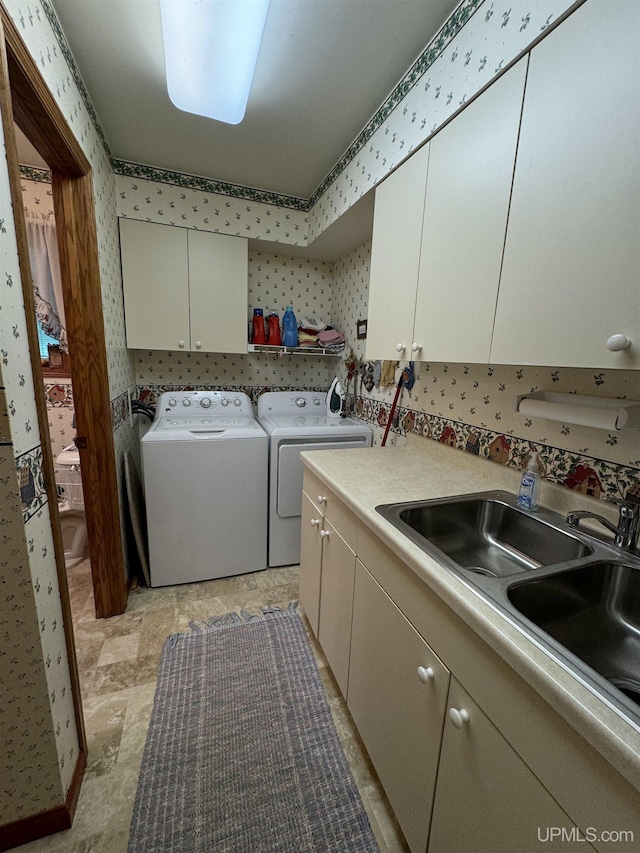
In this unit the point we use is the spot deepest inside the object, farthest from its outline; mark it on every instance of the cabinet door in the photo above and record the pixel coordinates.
(336, 602)
(310, 561)
(570, 277)
(487, 800)
(218, 292)
(397, 708)
(395, 257)
(465, 220)
(155, 279)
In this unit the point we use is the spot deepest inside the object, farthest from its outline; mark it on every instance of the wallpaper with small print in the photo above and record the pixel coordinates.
(472, 406)
(479, 39)
(275, 281)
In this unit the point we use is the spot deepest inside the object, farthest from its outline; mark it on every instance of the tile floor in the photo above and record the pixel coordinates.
(118, 661)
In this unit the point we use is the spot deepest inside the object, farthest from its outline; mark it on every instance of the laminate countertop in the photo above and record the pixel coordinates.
(367, 477)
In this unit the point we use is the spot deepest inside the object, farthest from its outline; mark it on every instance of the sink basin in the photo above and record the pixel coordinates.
(594, 612)
(575, 596)
(486, 534)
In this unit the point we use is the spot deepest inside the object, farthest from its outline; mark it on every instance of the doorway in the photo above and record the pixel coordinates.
(26, 100)
(55, 359)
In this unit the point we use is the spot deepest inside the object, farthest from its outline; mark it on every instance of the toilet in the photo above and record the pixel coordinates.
(71, 507)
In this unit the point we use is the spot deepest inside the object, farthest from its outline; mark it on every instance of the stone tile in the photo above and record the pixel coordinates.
(117, 649)
(128, 673)
(392, 837)
(157, 624)
(126, 623)
(106, 802)
(136, 724)
(118, 698)
(104, 720)
(278, 577)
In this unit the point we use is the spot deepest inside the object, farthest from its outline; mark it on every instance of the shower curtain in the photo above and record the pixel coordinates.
(45, 271)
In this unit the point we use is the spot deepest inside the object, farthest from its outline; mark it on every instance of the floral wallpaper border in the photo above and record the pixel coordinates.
(54, 23)
(32, 173)
(194, 182)
(33, 494)
(448, 32)
(426, 59)
(589, 475)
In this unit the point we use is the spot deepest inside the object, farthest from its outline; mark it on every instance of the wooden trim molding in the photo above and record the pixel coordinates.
(28, 102)
(46, 823)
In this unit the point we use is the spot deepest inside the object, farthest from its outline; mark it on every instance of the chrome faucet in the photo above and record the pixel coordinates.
(625, 534)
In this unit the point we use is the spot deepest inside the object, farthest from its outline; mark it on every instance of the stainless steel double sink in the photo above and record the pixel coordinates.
(575, 595)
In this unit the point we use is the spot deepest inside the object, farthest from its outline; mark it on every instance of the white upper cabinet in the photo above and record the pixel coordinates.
(155, 277)
(465, 220)
(571, 271)
(183, 289)
(395, 257)
(218, 292)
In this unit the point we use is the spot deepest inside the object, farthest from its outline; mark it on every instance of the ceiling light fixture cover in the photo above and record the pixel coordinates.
(210, 53)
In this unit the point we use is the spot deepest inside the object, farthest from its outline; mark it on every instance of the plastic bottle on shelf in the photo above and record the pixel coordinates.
(274, 338)
(290, 327)
(258, 335)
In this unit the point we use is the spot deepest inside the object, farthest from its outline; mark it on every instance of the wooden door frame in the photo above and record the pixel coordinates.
(26, 99)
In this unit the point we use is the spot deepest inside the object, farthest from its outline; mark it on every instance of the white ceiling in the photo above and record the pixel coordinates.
(324, 69)
(325, 66)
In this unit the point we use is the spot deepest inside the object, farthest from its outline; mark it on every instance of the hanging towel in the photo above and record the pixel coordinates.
(388, 373)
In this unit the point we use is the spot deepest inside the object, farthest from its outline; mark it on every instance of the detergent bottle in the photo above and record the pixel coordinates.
(290, 327)
(258, 333)
(273, 330)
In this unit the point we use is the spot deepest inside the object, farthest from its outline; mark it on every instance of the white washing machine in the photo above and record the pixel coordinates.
(205, 471)
(297, 421)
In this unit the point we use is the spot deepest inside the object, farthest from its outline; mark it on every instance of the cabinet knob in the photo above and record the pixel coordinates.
(198, 344)
(425, 674)
(324, 534)
(618, 342)
(401, 347)
(181, 344)
(415, 347)
(458, 717)
(322, 499)
(315, 522)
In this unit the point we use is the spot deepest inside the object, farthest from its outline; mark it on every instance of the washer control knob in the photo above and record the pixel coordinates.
(301, 402)
(205, 402)
(172, 401)
(316, 401)
(186, 402)
(237, 401)
(225, 401)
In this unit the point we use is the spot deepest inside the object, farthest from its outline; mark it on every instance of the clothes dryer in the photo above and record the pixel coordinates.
(296, 421)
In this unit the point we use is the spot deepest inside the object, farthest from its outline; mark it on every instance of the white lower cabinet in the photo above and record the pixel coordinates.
(311, 561)
(327, 574)
(336, 600)
(397, 698)
(471, 758)
(487, 799)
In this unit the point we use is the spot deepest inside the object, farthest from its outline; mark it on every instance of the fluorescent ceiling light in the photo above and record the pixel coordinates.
(210, 53)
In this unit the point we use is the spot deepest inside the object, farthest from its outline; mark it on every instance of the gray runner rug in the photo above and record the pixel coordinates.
(242, 755)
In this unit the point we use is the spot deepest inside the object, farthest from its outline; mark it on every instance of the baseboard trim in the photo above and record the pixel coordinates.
(49, 822)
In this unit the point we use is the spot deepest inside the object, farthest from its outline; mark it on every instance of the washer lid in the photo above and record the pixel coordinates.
(185, 428)
(204, 424)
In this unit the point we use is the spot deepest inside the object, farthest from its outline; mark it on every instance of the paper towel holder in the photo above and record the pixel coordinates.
(599, 412)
